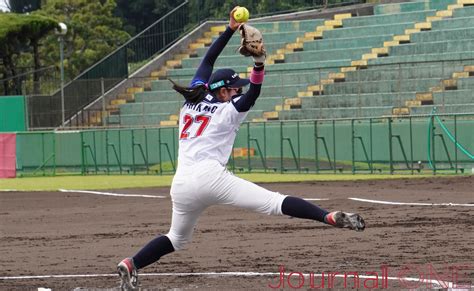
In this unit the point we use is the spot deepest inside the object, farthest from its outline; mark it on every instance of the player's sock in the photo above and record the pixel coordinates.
(330, 219)
(153, 251)
(300, 208)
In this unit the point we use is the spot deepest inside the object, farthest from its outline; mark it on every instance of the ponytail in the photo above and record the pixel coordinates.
(192, 94)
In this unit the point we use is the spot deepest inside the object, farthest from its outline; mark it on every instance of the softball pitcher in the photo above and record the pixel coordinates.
(213, 110)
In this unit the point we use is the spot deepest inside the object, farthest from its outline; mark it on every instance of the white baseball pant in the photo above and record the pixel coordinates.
(209, 183)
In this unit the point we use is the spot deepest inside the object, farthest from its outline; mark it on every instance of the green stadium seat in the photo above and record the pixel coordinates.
(381, 29)
(438, 47)
(344, 43)
(443, 35)
(460, 96)
(453, 23)
(456, 56)
(412, 6)
(288, 26)
(464, 12)
(328, 113)
(354, 100)
(446, 109)
(404, 85)
(417, 16)
(231, 50)
(388, 82)
(155, 96)
(326, 55)
(466, 83)
(267, 104)
(253, 113)
(282, 90)
(170, 107)
(140, 119)
(404, 72)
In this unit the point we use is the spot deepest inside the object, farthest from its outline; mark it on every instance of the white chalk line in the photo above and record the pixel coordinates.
(308, 199)
(234, 274)
(316, 199)
(144, 196)
(111, 194)
(13, 190)
(409, 203)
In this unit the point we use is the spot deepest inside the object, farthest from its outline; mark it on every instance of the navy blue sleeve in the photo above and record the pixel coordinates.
(244, 102)
(204, 70)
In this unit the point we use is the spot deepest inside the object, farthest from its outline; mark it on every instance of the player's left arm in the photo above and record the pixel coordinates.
(246, 101)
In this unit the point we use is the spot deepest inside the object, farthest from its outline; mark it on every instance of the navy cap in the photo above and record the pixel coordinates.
(226, 78)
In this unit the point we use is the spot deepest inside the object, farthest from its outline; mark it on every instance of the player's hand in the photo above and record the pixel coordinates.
(259, 60)
(233, 24)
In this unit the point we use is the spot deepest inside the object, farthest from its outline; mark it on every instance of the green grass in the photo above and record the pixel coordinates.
(99, 182)
(84, 182)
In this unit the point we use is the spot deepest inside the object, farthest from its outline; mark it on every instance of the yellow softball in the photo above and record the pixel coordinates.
(241, 14)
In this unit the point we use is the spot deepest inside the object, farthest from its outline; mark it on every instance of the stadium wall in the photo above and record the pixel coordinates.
(377, 144)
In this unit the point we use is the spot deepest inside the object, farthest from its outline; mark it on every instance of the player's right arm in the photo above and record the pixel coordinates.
(204, 70)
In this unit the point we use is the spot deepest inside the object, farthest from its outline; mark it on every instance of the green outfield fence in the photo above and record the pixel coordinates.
(416, 144)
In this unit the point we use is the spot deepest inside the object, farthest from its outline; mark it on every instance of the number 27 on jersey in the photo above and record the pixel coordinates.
(188, 120)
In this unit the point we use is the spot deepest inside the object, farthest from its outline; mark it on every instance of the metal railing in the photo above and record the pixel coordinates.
(429, 144)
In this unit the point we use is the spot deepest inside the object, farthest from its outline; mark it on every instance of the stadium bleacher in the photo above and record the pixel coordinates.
(405, 59)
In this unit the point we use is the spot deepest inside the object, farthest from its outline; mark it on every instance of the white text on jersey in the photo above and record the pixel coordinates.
(201, 107)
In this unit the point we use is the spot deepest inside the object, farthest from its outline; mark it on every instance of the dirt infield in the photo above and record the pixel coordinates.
(55, 233)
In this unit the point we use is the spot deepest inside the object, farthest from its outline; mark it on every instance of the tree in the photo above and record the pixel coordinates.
(93, 32)
(19, 34)
(139, 14)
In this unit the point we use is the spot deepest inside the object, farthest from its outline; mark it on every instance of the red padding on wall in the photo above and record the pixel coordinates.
(7, 155)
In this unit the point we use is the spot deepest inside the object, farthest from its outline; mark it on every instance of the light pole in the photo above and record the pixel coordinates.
(61, 32)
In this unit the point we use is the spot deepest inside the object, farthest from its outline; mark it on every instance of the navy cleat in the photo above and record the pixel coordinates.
(128, 275)
(346, 220)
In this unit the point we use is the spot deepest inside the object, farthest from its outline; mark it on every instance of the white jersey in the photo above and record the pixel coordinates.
(207, 131)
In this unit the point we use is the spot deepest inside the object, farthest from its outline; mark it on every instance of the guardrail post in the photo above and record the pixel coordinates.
(120, 149)
(43, 155)
(54, 153)
(265, 144)
(107, 151)
(299, 149)
(281, 147)
(455, 144)
(371, 147)
(316, 155)
(133, 151)
(95, 152)
(334, 143)
(146, 152)
(248, 148)
(433, 156)
(352, 146)
(159, 151)
(411, 146)
(83, 161)
(390, 147)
